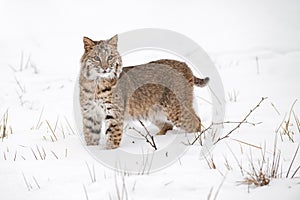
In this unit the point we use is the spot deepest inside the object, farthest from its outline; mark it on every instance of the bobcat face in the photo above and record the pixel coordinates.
(101, 59)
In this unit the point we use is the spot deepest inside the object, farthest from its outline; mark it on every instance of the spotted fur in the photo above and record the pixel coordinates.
(160, 91)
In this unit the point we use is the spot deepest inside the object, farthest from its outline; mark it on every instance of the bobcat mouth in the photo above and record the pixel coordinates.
(103, 71)
(108, 73)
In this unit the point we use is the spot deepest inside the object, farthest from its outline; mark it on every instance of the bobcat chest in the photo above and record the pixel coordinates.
(100, 107)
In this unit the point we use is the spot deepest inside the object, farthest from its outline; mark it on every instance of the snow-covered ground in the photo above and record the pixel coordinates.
(255, 46)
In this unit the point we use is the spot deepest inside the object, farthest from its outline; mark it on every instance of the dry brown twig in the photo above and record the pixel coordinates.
(243, 121)
(147, 136)
(198, 137)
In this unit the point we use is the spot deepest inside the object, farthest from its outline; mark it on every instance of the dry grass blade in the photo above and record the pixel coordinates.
(286, 123)
(295, 172)
(15, 157)
(52, 131)
(236, 159)
(219, 188)
(273, 168)
(287, 174)
(276, 110)
(246, 143)
(34, 154)
(297, 121)
(70, 127)
(280, 125)
(39, 152)
(38, 124)
(29, 187)
(4, 125)
(210, 193)
(37, 184)
(55, 126)
(22, 88)
(227, 165)
(54, 155)
(123, 194)
(85, 192)
(257, 177)
(92, 175)
(210, 162)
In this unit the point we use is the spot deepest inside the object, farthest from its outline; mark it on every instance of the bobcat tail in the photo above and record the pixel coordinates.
(201, 82)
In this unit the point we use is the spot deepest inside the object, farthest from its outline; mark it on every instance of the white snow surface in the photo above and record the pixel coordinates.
(40, 48)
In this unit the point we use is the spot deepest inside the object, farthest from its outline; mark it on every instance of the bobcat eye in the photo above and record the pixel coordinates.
(97, 58)
(110, 57)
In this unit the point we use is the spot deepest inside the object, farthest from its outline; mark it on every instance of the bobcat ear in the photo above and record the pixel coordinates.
(113, 41)
(88, 43)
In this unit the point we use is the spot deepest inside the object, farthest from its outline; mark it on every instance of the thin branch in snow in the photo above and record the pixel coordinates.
(152, 143)
(147, 136)
(233, 122)
(198, 137)
(243, 121)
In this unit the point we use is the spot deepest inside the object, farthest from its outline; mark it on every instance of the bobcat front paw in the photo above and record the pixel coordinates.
(111, 145)
(92, 139)
(106, 144)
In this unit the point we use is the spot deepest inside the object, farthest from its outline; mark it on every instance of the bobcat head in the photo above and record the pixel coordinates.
(101, 59)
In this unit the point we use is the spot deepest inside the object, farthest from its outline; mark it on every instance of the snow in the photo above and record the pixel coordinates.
(45, 40)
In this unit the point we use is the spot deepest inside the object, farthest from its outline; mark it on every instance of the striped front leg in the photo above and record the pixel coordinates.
(114, 131)
(91, 129)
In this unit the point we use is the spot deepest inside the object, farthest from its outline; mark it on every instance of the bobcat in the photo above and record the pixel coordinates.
(159, 91)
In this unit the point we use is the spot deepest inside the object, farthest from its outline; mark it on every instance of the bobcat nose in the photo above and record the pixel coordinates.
(104, 68)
